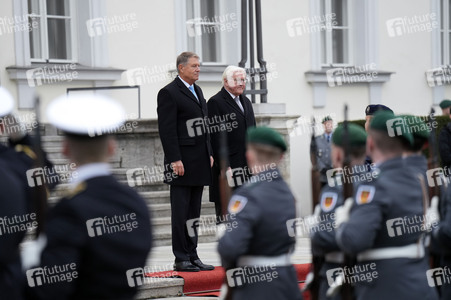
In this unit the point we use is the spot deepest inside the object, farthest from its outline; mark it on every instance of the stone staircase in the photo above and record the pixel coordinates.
(156, 194)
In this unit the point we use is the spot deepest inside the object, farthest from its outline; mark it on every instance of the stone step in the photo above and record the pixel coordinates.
(164, 209)
(52, 141)
(153, 288)
(114, 162)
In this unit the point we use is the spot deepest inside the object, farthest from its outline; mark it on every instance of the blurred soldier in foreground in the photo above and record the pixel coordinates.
(20, 153)
(323, 143)
(257, 253)
(12, 206)
(322, 230)
(229, 110)
(99, 235)
(386, 225)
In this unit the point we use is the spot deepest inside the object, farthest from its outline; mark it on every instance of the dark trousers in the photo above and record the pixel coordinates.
(185, 205)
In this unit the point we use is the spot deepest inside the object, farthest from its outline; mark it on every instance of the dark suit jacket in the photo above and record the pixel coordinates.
(221, 105)
(102, 261)
(182, 135)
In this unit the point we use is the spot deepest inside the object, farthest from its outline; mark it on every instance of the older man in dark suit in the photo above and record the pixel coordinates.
(234, 109)
(182, 113)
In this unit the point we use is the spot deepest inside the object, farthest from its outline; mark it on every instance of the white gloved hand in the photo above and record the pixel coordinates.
(432, 214)
(31, 252)
(342, 212)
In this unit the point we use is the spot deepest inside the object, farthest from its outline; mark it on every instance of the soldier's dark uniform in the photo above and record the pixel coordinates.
(370, 110)
(323, 143)
(322, 235)
(373, 232)
(262, 210)
(13, 207)
(91, 230)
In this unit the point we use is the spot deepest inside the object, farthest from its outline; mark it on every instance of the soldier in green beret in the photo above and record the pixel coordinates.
(445, 105)
(257, 252)
(383, 225)
(322, 230)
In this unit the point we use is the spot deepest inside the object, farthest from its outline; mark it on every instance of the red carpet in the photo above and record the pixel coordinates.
(208, 283)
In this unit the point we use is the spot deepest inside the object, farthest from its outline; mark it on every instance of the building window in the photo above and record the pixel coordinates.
(203, 27)
(53, 40)
(335, 38)
(445, 32)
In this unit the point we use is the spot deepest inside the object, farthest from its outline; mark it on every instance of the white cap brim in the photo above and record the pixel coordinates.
(83, 114)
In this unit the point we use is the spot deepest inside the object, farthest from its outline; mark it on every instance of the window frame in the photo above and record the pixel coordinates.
(329, 36)
(43, 21)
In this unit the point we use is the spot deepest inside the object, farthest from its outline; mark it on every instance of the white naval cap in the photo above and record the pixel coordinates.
(86, 114)
(6, 102)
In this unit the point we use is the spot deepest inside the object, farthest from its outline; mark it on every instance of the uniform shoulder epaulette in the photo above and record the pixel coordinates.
(26, 149)
(75, 191)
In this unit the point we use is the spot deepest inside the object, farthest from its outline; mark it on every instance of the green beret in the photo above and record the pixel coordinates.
(445, 104)
(327, 118)
(356, 135)
(416, 126)
(392, 125)
(266, 136)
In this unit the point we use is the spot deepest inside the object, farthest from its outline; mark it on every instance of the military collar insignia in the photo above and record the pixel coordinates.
(328, 201)
(365, 194)
(237, 203)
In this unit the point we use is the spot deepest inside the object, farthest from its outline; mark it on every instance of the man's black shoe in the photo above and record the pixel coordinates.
(185, 266)
(203, 267)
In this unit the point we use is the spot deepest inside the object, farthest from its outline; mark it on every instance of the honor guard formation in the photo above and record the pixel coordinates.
(380, 226)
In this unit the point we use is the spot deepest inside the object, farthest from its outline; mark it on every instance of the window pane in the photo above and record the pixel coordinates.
(339, 8)
(59, 38)
(35, 39)
(340, 46)
(448, 55)
(210, 41)
(208, 8)
(58, 7)
(449, 14)
(33, 7)
(323, 47)
(190, 9)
